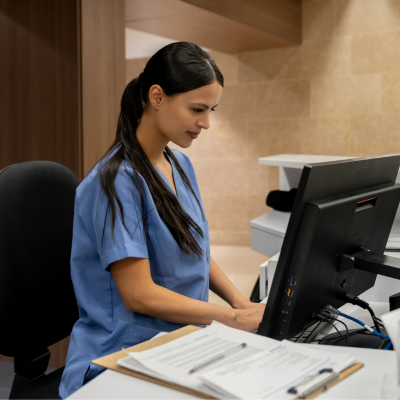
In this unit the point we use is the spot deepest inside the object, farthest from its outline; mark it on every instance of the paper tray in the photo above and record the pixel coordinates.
(110, 362)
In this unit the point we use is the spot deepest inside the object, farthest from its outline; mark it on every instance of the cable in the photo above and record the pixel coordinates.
(325, 316)
(324, 319)
(374, 319)
(364, 325)
(363, 304)
(388, 346)
(331, 313)
(347, 330)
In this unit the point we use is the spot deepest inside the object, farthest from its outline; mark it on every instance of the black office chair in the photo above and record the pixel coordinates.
(37, 301)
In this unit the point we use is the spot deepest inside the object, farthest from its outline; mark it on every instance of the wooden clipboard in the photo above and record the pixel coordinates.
(110, 362)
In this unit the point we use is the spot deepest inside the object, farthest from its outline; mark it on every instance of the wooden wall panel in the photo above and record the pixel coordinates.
(39, 91)
(62, 73)
(103, 75)
(229, 26)
(279, 18)
(39, 117)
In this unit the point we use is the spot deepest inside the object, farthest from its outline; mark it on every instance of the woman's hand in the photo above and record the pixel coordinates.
(249, 319)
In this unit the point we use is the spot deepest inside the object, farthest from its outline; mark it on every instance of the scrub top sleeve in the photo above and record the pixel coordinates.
(130, 242)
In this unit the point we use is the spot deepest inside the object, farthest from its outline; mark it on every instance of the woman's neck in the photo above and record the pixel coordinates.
(152, 141)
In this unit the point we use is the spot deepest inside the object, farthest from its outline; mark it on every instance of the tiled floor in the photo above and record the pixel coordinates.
(7, 377)
(240, 264)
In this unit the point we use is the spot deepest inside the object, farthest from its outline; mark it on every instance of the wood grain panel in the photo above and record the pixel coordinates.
(230, 26)
(138, 10)
(58, 353)
(62, 73)
(39, 82)
(103, 75)
(278, 18)
(39, 96)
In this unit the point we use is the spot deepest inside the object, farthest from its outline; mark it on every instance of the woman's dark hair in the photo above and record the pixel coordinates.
(178, 67)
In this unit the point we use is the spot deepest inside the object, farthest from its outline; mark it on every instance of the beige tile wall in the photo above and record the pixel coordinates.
(336, 94)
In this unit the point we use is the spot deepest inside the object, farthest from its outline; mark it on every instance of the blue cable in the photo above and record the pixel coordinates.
(388, 346)
(364, 325)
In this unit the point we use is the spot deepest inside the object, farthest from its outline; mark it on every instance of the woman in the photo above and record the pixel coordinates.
(140, 261)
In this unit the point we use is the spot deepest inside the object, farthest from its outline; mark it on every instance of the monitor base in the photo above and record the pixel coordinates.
(357, 338)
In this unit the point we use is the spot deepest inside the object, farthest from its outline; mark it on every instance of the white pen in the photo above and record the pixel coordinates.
(219, 357)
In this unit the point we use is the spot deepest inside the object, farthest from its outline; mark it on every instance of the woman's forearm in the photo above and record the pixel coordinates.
(165, 304)
(224, 288)
(140, 294)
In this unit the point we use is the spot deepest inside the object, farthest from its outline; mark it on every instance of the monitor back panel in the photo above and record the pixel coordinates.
(307, 275)
(330, 229)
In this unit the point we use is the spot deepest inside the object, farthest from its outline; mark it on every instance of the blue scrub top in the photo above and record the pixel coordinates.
(105, 325)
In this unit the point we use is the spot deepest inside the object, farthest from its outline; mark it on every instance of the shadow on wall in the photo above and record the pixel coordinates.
(38, 23)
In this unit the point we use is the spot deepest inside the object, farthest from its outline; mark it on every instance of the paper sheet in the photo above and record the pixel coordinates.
(271, 373)
(277, 365)
(173, 361)
(391, 321)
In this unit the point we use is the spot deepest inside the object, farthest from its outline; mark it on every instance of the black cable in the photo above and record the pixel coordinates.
(373, 316)
(357, 332)
(324, 319)
(337, 330)
(363, 304)
(347, 330)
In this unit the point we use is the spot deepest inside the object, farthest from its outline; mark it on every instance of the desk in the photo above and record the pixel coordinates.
(364, 384)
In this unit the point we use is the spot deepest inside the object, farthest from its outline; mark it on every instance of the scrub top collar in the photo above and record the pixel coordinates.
(175, 174)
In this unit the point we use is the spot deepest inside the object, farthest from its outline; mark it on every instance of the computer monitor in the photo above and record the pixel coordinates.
(334, 244)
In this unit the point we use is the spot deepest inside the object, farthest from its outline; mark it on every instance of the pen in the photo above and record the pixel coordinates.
(320, 386)
(219, 357)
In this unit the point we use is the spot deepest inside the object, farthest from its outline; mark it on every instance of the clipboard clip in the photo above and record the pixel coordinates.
(320, 386)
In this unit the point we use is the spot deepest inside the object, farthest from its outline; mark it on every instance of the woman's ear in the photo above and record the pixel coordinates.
(156, 95)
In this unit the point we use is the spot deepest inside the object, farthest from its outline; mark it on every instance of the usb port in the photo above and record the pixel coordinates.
(292, 282)
(288, 292)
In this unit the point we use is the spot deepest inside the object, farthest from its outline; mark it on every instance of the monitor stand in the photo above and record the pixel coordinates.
(357, 338)
(368, 261)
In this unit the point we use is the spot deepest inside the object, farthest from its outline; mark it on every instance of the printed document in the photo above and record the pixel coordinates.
(265, 368)
(172, 361)
(270, 374)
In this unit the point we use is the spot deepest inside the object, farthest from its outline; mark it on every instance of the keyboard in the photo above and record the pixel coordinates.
(309, 334)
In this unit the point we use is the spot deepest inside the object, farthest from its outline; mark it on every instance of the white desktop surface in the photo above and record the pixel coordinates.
(363, 384)
(115, 385)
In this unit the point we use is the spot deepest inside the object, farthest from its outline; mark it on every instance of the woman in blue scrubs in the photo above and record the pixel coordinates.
(140, 260)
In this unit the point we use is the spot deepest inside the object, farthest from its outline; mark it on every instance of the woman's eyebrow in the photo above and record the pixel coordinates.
(203, 105)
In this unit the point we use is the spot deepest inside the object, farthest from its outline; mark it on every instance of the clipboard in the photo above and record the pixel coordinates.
(110, 362)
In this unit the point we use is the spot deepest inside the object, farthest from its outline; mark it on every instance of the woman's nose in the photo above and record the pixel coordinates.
(204, 122)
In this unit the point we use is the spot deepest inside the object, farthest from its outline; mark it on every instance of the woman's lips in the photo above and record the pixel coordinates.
(193, 135)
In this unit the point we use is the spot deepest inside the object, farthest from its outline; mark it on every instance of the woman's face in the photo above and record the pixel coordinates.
(182, 117)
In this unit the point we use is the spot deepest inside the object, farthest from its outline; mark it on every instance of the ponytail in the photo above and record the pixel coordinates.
(177, 68)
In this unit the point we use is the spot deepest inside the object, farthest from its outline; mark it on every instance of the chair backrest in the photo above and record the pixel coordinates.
(37, 301)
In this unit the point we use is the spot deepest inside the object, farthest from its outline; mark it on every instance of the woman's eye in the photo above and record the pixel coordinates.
(199, 110)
